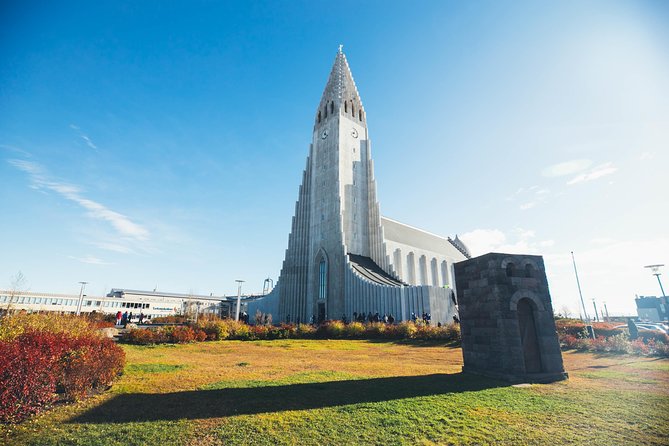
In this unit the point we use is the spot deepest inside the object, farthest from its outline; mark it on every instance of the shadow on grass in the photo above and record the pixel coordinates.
(202, 404)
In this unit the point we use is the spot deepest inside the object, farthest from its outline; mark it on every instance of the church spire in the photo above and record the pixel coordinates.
(340, 95)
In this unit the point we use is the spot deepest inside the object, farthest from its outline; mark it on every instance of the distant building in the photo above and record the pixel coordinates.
(651, 308)
(152, 303)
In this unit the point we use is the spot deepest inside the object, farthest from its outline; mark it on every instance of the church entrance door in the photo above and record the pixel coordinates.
(528, 337)
(321, 312)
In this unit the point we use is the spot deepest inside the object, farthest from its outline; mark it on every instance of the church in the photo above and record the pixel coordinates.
(343, 256)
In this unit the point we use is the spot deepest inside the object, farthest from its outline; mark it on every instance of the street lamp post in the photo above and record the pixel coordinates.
(585, 312)
(81, 297)
(594, 304)
(239, 298)
(656, 272)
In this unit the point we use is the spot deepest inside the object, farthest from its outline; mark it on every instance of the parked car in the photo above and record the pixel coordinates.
(647, 326)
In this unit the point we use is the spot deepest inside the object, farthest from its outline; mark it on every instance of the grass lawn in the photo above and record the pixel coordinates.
(353, 392)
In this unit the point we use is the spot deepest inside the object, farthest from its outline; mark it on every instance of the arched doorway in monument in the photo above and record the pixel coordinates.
(528, 336)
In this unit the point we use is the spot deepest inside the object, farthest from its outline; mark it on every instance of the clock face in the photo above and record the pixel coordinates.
(324, 134)
(354, 133)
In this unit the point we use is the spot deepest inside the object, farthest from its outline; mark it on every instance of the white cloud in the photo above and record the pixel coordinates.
(520, 241)
(121, 223)
(90, 260)
(647, 156)
(566, 168)
(114, 247)
(595, 173)
(83, 136)
(533, 196)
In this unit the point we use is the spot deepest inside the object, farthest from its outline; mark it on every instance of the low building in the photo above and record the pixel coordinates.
(653, 309)
(151, 303)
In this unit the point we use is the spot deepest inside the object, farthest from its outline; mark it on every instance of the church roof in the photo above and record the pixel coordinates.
(340, 93)
(368, 269)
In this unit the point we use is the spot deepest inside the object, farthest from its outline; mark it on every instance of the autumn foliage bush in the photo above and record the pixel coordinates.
(168, 334)
(39, 367)
(228, 329)
(572, 334)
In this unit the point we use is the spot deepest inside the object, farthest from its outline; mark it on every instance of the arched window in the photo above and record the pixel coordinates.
(325, 115)
(322, 280)
(319, 116)
(510, 269)
(345, 107)
(352, 109)
(411, 268)
(360, 114)
(529, 270)
(331, 107)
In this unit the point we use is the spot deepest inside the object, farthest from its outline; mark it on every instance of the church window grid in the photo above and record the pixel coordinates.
(322, 279)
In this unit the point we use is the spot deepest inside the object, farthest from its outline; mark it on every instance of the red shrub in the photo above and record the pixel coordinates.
(36, 364)
(143, 336)
(654, 335)
(89, 364)
(26, 372)
(185, 334)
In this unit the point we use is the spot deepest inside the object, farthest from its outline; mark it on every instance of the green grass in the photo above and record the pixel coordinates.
(354, 392)
(153, 368)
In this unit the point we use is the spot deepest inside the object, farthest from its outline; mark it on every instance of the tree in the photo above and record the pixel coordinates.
(566, 312)
(17, 285)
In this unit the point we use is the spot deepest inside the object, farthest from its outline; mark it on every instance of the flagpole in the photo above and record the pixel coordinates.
(585, 312)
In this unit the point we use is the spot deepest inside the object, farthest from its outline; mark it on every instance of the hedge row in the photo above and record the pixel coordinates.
(38, 367)
(575, 327)
(617, 344)
(164, 335)
(74, 326)
(218, 330)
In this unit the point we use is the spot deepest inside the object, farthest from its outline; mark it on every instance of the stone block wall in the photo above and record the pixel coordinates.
(490, 290)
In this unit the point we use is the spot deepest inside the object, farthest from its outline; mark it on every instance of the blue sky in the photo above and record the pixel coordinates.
(161, 144)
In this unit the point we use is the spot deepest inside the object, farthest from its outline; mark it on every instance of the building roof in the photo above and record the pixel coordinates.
(408, 235)
(368, 269)
(165, 294)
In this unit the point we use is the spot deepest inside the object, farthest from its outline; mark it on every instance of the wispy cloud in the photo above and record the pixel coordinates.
(532, 197)
(15, 150)
(519, 241)
(566, 168)
(114, 247)
(83, 136)
(595, 173)
(90, 260)
(121, 223)
(647, 156)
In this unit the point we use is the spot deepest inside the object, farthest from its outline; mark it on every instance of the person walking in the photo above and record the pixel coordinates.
(119, 315)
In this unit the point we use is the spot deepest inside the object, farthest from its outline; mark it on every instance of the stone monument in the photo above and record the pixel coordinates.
(506, 317)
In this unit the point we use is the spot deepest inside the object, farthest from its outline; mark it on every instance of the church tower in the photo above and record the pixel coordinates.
(337, 213)
(337, 261)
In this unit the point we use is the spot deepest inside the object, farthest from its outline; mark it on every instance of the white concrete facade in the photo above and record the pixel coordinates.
(342, 256)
